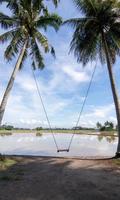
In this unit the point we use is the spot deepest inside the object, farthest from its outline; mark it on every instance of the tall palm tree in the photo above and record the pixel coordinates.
(97, 33)
(25, 39)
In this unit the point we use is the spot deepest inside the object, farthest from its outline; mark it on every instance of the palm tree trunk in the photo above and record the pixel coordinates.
(10, 83)
(114, 90)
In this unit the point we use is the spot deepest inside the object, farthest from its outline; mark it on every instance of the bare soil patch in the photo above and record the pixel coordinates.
(35, 178)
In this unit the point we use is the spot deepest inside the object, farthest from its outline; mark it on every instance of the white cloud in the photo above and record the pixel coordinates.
(76, 75)
(62, 85)
(103, 111)
(24, 102)
(99, 113)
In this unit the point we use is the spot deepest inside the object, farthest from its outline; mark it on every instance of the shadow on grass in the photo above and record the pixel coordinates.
(34, 178)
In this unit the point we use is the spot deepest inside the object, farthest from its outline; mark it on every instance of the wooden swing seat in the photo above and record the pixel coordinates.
(62, 150)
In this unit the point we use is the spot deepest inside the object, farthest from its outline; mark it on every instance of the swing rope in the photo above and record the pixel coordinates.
(41, 99)
(84, 102)
(79, 117)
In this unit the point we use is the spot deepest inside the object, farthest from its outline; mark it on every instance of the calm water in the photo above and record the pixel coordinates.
(30, 144)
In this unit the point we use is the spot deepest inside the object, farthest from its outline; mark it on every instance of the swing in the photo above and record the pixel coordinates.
(62, 150)
(79, 117)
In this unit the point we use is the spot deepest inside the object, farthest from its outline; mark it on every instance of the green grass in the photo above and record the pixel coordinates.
(6, 172)
(116, 162)
(40, 132)
(6, 132)
(6, 163)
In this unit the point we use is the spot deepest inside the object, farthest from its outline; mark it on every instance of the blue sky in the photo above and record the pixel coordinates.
(63, 84)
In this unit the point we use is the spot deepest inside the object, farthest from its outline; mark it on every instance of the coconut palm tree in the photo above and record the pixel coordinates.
(97, 33)
(25, 39)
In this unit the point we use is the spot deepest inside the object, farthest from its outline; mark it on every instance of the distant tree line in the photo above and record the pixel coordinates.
(6, 127)
(82, 128)
(41, 128)
(10, 127)
(107, 126)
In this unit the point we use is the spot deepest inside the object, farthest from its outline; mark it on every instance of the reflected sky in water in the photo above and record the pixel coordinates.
(82, 145)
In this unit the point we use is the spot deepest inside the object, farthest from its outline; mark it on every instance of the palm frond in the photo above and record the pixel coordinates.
(87, 38)
(7, 35)
(6, 21)
(52, 20)
(14, 46)
(88, 7)
(84, 42)
(74, 22)
(42, 41)
(37, 57)
(12, 5)
(115, 33)
(26, 20)
(37, 4)
(56, 2)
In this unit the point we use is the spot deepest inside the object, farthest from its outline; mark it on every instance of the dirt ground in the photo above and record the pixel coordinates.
(60, 179)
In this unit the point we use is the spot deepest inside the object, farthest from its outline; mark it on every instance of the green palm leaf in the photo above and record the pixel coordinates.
(87, 38)
(28, 18)
(52, 20)
(36, 55)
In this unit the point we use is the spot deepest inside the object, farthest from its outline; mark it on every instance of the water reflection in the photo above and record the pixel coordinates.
(39, 134)
(109, 139)
(43, 144)
(6, 134)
